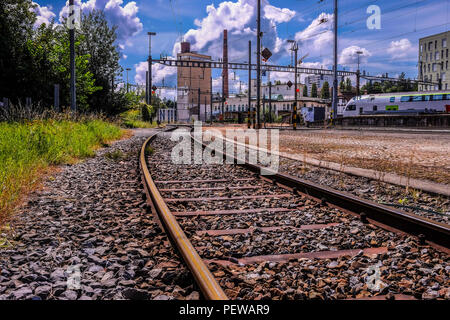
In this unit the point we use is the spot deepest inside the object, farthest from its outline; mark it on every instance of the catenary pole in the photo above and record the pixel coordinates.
(149, 87)
(258, 66)
(73, 89)
(335, 80)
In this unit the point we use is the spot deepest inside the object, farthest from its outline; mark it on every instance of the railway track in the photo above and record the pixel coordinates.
(244, 236)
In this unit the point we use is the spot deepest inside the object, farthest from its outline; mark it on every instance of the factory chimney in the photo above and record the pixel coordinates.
(185, 47)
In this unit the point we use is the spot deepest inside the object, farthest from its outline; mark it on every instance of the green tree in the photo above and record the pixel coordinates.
(314, 91)
(305, 91)
(325, 92)
(16, 62)
(99, 42)
(348, 85)
(342, 86)
(59, 57)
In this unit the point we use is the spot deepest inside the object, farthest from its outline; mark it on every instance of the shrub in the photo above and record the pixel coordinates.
(145, 112)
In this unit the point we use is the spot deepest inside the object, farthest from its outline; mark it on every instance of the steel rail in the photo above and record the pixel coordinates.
(425, 229)
(203, 277)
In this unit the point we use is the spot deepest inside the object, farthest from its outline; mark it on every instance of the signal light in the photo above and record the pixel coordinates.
(153, 92)
(298, 90)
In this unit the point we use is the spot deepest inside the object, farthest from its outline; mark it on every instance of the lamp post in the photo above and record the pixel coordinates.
(359, 53)
(149, 81)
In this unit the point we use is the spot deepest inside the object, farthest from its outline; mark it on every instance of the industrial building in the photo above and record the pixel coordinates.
(193, 86)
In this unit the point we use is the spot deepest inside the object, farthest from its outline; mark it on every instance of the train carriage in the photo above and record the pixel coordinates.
(399, 103)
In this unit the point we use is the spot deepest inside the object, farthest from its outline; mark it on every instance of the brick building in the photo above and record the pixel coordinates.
(189, 80)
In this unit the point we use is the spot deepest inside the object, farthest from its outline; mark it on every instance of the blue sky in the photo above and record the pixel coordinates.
(392, 49)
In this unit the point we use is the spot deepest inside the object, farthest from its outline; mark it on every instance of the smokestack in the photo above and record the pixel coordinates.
(185, 47)
(225, 61)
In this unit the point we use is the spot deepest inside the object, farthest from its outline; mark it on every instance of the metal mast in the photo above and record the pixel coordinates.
(258, 64)
(335, 81)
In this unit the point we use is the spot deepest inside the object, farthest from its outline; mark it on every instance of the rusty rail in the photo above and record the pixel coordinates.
(205, 280)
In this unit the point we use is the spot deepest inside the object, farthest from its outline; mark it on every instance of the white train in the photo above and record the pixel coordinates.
(399, 103)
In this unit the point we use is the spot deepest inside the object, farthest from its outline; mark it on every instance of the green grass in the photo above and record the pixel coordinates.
(27, 149)
(149, 150)
(115, 155)
(133, 119)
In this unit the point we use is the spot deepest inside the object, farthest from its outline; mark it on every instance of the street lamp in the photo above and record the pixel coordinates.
(359, 53)
(149, 80)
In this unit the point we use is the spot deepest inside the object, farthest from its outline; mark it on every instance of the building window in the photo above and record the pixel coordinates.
(437, 55)
(435, 44)
(446, 65)
(421, 48)
(444, 43)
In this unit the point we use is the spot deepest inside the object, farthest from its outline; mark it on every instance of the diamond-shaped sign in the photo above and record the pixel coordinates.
(266, 54)
(289, 84)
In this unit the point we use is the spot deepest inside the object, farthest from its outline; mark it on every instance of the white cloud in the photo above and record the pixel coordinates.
(159, 72)
(43, 14)
(168, 94)
(318, 37)
(400, 49)
(349, 56)
(239, 18)
(278, 15)
(124, 17)
(233, 83)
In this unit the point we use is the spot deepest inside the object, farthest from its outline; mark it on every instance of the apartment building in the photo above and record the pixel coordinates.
(433, 61)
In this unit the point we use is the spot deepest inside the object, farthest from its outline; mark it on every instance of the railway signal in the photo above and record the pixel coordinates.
(266, 54)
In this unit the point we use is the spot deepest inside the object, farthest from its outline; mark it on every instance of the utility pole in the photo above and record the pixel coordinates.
(358, 75)
(335, 81)
(294, 109)
(264, 110)
(223, 103)
(270, 101)
(146, 87)
(249, 92)
(294, 118)
(206, 119)
(258, 66)
(211, 103)
(73, 89)
(149, 86)
(199, 104)
(128, 86)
